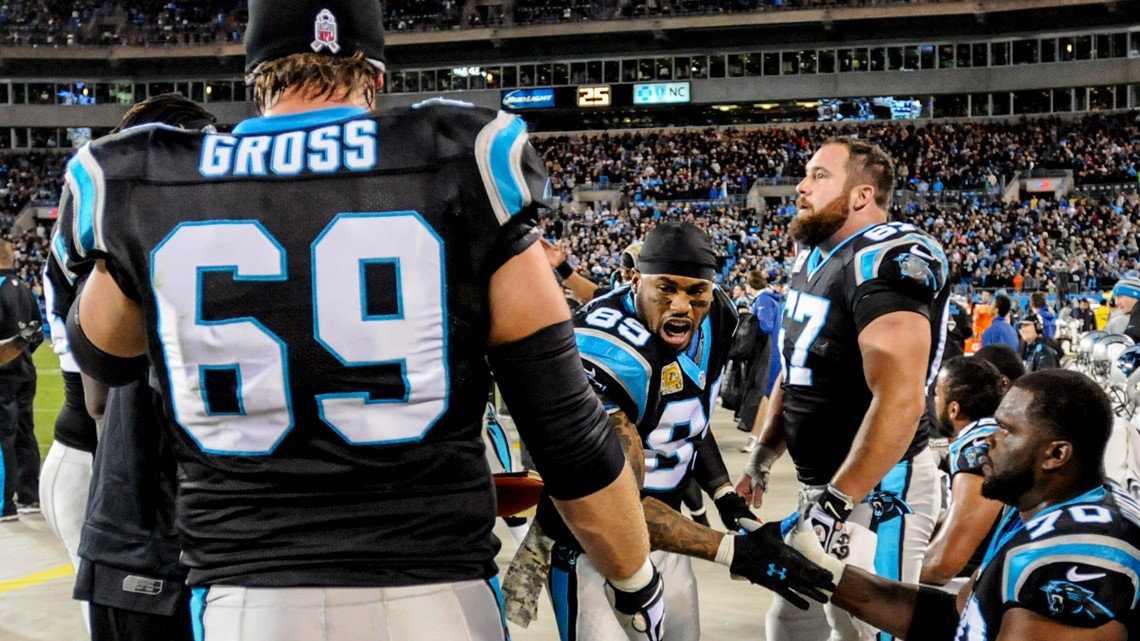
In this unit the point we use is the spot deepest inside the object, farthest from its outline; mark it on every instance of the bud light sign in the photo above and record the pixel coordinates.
(661, 93)
(528, 98)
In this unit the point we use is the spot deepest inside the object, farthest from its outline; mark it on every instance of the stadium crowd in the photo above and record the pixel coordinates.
(955, 170)
(181, 22)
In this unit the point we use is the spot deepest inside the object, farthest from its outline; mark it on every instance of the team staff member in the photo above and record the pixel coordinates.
(1063, 562)
(863, 329)
(654, 352)
(328, 436)
(20, 324)
(965, 397)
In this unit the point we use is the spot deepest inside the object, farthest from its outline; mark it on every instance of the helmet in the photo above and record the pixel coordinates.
(1125, 366)
(1109, 347)
(1088, 340)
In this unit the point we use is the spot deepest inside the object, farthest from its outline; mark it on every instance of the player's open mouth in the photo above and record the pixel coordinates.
(676, 331)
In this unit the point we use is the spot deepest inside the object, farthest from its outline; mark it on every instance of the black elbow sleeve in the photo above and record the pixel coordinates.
(108, 369)
(559, 417)
(935, 616)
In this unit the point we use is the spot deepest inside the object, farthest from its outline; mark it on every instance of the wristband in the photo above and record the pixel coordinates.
(724, 490)
(724, 553)
(639, 580)
(564, 270)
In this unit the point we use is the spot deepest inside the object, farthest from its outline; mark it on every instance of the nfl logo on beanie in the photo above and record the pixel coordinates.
(325, 30)
(279, 28)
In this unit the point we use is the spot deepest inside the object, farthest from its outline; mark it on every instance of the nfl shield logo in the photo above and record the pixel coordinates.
(324, 30)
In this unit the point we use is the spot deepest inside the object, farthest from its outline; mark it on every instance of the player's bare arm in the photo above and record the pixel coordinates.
(525, 299)
(969, 519)
(669, 530)
(895, 349)
(111, 321)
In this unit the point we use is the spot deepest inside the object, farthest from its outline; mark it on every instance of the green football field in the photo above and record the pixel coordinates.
(49, 394)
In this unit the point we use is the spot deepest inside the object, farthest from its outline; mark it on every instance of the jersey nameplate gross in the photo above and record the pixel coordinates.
(347, 146)
(671, 379)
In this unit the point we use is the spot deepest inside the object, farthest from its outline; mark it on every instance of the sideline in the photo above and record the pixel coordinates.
(57, 572)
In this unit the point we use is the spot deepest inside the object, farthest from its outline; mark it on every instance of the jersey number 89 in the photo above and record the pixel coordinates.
(415, 337)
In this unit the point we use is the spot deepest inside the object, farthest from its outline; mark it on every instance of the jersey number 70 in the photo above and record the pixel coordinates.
(415, 337)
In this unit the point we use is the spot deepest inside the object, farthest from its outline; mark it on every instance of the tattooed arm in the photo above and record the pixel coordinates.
(669, 530)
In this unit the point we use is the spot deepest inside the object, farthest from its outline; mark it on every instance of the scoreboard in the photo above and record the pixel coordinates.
(599, 96)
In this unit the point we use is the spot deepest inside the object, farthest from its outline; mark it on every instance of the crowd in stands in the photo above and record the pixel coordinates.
(189, 22)
(1078, 242)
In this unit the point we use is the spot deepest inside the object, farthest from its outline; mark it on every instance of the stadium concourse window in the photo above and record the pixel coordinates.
(952, 106)
(1025, 52)
(1048, 50)
(1032, 102)
(1063, 100)
(945, 56)
(1001, 103)
(1102, 98)
(41, 93)
(5, 93)
(979, 104)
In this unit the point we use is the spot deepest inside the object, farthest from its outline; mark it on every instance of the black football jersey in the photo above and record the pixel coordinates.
(1076, 563)
(315, 293)
(884, 268)
(967, 454)
(669, 395)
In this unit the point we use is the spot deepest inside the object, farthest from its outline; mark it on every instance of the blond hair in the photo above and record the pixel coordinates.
(314, 76)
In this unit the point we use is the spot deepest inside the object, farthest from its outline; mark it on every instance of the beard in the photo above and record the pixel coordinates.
(1009, 485)
(813, 228)
(944, 424)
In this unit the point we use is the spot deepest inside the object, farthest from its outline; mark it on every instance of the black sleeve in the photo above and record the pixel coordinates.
(709, 469)
(1133, 329)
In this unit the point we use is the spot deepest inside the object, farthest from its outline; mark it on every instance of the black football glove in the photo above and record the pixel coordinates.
(763, 558)
(31, 333)
(643, 611)
(733, 507)
(826, 517)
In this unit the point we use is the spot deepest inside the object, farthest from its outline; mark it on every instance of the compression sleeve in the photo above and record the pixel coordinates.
(709, 468)
(564, 426)
(935, 616)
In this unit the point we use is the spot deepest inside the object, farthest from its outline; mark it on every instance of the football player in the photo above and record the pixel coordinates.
(1063, 562)
(654, 352)
(320, 293)
(966, 394)
(863, 328)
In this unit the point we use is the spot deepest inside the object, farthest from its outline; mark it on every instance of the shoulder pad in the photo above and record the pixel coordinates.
(967, 452)
(911, 261)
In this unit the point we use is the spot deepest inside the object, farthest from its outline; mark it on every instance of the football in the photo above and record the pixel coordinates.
(516, 493)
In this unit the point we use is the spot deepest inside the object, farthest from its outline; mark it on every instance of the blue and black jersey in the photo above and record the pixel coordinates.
(315, 290)
(1076, 562)
(883, 268)
(669, 395)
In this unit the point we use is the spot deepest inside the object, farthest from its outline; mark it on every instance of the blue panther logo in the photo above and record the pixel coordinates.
(975, 453)
(915, 268)
(1069, 598)
(886, 505)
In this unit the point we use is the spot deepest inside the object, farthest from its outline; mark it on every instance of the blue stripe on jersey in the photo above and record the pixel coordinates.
(289, 122)
(888, 550)
(616, 356)
(197, 611)
(85, 209)
(3, 478)
(512, 193)
(981, 428)
(499, 441)
(560, 597)
(816, 260)
(1090, 549)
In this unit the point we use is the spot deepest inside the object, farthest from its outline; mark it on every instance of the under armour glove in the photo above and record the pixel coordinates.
(826, 517)
(732, 508)
(763, 558)
(641, 611)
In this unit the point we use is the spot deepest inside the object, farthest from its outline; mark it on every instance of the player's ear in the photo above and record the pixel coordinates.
(952, 409)
(1057, 455)
(863, 195)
